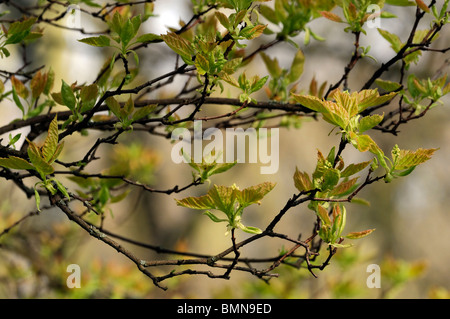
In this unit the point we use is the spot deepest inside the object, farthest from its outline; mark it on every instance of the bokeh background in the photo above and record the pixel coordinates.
(411, 241)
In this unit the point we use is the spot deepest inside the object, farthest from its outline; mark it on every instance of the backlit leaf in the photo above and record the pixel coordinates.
(302, 181)
(51, 141)
(100, 41)
(409, 158)
(354, 168)
(254, 194)
(14, 162)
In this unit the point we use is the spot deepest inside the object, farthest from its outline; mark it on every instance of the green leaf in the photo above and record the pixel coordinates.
(254, 194)
(272, 65)
(402, 3)
(223, 19)
(388, 86)
(362, 143)
(202, 202)
(100, 41)
(296, 67)
(149, 37)
(143, 112)
(223, 198)
(17, 101)
(14, 162)
(250, 229)
(88, 96)
(408, 158)
(331, 177)
(67, 96)
(38, 162)
(61, 188)
(127, 33)
(202, 64)
(361, 234)
(38, 199)
(368, 122)
(179, 45)
(51, 141)
(353, 169)
(220, 168)
(114, 106)
(258, 83)
(394, 40)
(214, 218)
(344, 188)
(268, 13)
(19, 30)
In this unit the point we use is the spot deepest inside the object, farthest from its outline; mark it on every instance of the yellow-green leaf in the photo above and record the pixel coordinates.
(302, 181)
(14, 162)
(408, 158)
(51, 141)
(296, 67)
(361, 234)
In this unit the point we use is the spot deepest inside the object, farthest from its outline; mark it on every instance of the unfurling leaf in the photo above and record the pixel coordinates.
(51, 141)
(179, 45)
(407, 158)
(361, 234)
(331, 16)
(302, 181)
(323, 215)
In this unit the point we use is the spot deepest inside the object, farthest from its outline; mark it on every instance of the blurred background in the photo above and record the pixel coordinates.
(410, 215)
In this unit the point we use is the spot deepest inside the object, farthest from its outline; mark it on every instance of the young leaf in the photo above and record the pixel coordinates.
(149, 37)
(250, 229)
(272, 65)
(114, 106)
(19, 30)
(202, 202)
(38, 162)
(394, 40)
(100, 41)
(214, 218)
(88, 96)
(67, 96)
(19, 87)
(361, 234)
(344, 188)
(61, 188)
(37, 84)
(296, 67)
(323, 215)
(14, 162)
(38, 199)
(51, 141)
(179, 45)
(368, 122)
(143, 112)
(408, 158)
(302, 181)
(353, 169)
(331, 16)
(17, 101)
(253, 194)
